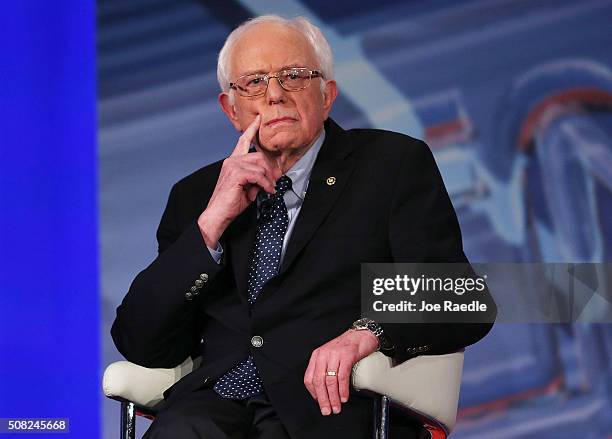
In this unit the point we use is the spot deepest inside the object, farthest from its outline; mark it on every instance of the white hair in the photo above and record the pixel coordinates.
(312, 33)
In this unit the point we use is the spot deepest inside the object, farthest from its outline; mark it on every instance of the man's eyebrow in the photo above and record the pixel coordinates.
(291, 66)
(254, 72)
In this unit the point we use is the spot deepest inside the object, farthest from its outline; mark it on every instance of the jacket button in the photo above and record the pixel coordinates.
(257, 341)
(204, 277)
(199, 283)
(188, 295)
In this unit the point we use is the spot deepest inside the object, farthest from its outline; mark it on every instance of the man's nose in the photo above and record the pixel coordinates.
(275, 92)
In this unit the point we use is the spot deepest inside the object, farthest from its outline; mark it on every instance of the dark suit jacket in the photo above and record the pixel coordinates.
(388, 204)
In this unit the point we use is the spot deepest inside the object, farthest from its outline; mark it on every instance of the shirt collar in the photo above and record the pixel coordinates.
(301, 170)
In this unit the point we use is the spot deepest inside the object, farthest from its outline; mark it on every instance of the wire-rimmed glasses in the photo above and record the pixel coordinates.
(293, 79)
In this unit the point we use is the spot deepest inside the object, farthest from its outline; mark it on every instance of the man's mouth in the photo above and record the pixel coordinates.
(279, 120)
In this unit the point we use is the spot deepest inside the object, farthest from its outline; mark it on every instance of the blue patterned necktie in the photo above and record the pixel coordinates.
(243, 380)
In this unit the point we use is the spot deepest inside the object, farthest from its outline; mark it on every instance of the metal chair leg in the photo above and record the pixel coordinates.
(381, 417)
(128, 420)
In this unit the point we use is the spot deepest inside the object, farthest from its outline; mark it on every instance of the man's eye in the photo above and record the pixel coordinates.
(293, 75)
(253, 82)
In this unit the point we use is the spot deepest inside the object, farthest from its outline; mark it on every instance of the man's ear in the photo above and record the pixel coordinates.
(229, 109)
(330, 92)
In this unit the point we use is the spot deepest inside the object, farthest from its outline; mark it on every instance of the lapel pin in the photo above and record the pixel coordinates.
(331, 181)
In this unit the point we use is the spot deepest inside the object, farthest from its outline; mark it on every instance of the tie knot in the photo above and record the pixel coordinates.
(283, 184)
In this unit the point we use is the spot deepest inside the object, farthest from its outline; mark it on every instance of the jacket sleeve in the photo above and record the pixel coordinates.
(423, 228)
(156, 323)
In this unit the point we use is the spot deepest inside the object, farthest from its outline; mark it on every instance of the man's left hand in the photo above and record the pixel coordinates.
(338, 355)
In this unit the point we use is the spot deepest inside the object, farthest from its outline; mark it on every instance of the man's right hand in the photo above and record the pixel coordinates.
(241, 178)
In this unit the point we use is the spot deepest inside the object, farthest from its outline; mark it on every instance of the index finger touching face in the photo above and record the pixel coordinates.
(244, 142)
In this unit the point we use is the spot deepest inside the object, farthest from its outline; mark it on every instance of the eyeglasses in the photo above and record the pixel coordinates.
(295, 79)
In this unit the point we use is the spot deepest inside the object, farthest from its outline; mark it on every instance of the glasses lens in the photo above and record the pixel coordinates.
(294, 79)
(251, 85)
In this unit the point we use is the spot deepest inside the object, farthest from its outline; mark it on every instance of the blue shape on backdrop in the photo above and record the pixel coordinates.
(49, 319)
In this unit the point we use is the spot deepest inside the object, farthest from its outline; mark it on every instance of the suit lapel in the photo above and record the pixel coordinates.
(329, 176)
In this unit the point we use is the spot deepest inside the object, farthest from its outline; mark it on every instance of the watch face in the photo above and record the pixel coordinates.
(376, 329)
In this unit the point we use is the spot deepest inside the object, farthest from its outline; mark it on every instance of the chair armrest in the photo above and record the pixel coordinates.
(141, 385)
(427, 385)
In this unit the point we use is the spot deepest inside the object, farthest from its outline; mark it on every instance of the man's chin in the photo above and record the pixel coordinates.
(278, 143)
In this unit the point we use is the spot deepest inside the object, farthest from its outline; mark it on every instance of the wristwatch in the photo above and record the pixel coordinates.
(384, 344)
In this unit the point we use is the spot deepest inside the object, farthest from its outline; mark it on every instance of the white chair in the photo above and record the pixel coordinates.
(427, 387)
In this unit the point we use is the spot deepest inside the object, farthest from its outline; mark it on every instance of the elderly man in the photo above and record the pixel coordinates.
(259, 259)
